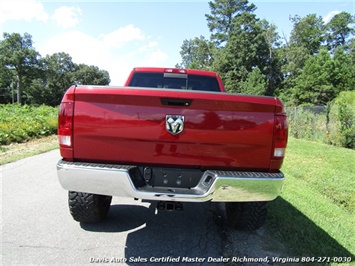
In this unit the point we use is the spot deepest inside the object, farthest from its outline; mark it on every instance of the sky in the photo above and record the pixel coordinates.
(117, 35)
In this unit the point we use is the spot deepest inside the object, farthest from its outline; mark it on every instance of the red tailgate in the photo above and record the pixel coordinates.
(128, 125)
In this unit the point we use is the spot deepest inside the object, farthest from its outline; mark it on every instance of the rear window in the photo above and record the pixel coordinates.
(174, 81)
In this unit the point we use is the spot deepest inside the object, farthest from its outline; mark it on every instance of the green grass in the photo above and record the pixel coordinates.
(315, 214)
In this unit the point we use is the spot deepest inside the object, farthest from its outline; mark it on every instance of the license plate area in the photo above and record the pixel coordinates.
(170, 177)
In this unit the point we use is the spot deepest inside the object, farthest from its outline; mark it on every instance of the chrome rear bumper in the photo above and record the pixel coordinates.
(220, 186)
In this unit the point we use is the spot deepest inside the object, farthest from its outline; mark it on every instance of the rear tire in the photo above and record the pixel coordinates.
(246, 215)
(88, 208)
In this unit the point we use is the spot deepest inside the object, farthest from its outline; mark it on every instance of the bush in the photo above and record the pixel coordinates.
(343, 113)
(21, 123)
(307, 122)
(333, 124)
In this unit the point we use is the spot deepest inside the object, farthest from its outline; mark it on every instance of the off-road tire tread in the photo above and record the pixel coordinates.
(87, 207)
(248, 216)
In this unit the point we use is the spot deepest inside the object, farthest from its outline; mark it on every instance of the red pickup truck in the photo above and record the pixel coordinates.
(171, 136)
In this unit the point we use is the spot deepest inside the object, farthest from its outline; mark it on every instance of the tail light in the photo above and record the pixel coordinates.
(65, 124)
(280, 137)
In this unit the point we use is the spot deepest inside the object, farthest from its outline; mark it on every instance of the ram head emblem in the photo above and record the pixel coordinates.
(174, 123)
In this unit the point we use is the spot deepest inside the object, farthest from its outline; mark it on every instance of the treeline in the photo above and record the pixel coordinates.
(311, 67)
(27, 77)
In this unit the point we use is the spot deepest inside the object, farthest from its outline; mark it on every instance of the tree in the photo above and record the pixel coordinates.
(221, 20)
(315, 84)
(18, 56)
(305, 41)
(239, 43)
(56, 78)
(343, 78)
(245, 50)
(90, 75)
(352, 51)
(6, 85)
(40, 80)
(255, 83)
(59, 72)
(339, 30)
(308, 32)
(274, 74)
(59, 69)
(197, 53)
(292, 63)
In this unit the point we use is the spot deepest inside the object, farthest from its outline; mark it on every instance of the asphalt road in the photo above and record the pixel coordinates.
(37, 228)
